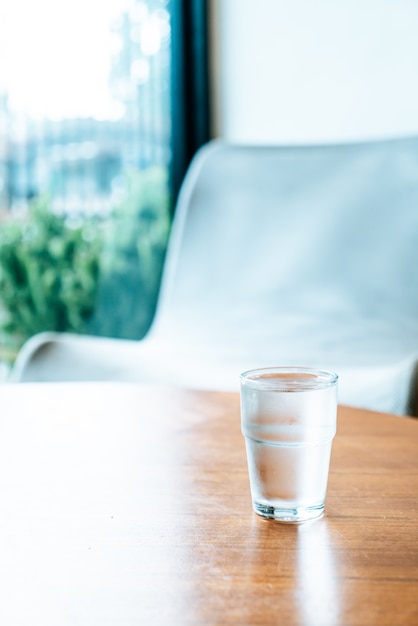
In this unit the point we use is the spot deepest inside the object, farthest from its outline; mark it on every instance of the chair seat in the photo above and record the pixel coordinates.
(381, 377)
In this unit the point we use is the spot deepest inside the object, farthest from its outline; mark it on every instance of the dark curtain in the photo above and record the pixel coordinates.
(190, 98)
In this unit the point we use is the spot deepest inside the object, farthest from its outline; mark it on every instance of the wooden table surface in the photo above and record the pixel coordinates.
(130, 505)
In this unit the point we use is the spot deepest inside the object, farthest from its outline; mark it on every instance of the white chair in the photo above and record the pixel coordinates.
(278, 255)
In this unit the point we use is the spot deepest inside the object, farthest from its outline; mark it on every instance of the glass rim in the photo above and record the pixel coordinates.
(284, 378)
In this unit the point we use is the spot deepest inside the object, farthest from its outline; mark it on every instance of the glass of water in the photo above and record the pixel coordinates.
(288, 418)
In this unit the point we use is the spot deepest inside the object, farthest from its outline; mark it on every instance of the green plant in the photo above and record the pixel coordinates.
(88, 277)
(134, 244)
(49, 271)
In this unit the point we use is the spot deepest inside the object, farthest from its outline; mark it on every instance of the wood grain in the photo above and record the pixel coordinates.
(122, 504)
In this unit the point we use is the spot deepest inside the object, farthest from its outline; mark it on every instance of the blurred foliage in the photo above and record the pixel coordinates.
(98, 276)
(48, 273)
(134, 245)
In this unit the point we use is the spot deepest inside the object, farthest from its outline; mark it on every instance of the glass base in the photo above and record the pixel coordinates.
(292, 515)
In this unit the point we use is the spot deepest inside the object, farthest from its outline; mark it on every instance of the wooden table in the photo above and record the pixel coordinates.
(130, 505)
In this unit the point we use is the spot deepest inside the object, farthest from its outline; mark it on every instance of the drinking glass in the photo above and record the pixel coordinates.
(288, 418)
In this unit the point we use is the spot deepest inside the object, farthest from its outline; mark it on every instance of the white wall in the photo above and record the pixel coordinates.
(297, 71)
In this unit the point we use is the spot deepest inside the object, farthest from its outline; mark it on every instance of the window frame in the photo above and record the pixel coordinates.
(190, 86)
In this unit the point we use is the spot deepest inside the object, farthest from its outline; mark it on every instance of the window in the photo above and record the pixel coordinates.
(92, 94)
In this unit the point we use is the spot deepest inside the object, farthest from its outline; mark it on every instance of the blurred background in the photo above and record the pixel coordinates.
(103, 104)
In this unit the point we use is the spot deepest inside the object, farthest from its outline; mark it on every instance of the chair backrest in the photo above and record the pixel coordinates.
(266, 232)
(278, 256)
